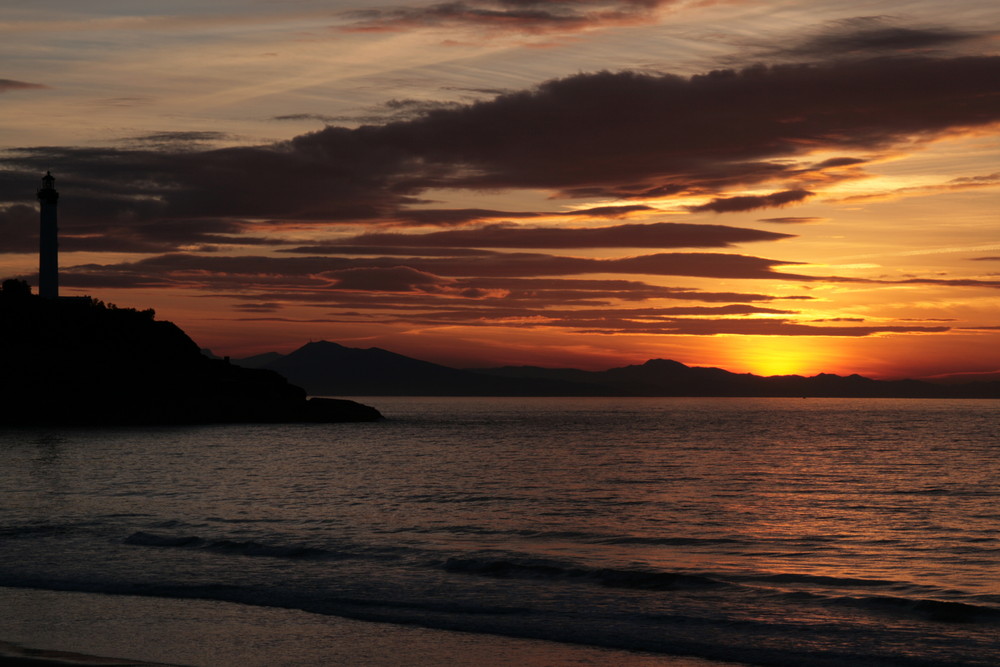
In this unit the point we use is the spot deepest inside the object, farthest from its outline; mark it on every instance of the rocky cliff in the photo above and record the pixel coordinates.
(79, 361)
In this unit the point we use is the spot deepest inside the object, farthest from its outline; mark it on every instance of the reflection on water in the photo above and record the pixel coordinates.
(49, 447)
(781, 531)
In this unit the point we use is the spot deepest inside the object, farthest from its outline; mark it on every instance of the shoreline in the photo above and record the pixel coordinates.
(44, 627)
(16, 655)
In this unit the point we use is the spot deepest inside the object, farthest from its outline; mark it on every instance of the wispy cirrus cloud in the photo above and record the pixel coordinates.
(954, 185)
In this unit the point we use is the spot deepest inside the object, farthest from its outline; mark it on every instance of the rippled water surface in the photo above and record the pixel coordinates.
(772, 531)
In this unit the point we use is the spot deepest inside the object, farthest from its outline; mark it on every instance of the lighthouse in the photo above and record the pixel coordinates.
(48, 245)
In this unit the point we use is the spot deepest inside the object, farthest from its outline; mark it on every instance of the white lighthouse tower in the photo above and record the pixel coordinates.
(48, 246)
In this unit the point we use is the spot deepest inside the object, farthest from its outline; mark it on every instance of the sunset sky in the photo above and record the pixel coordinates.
(765, 186)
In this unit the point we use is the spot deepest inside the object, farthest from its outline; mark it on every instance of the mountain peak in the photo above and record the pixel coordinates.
(322, 343)
(665, 365)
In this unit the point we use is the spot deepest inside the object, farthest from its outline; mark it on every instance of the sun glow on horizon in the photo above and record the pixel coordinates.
(783, 355)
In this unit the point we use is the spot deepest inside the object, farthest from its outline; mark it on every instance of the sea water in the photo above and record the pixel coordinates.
(764, 531)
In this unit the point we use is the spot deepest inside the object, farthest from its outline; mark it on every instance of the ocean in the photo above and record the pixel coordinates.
(782, 532)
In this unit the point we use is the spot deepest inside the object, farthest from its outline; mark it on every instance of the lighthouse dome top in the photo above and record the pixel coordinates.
(47, 193)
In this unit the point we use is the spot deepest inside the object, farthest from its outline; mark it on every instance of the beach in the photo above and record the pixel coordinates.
(68, 628)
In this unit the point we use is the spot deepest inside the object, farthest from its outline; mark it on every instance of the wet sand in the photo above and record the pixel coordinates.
(15, 655)
(61, 628)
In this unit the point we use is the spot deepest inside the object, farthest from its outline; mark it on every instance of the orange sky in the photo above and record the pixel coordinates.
(768, 187)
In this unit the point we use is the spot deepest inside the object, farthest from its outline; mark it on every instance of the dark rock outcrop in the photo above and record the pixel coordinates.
(78, 361)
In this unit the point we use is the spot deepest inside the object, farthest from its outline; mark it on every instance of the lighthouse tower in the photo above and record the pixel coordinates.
(48, 246)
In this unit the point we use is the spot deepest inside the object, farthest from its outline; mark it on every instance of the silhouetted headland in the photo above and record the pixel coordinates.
(79, 361)
(329, 368)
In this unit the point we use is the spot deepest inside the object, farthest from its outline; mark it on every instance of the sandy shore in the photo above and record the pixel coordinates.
(13, 655)
(59, 628)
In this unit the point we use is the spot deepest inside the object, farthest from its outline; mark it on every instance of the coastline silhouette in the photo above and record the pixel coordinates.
(76, 360)
(80, 361)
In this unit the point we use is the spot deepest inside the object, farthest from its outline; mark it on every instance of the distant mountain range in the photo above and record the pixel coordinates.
(328, 369)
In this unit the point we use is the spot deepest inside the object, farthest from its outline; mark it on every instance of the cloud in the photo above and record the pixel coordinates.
(266, 307)
(794, 220)
(336, 249)
(539, 289)
(751, 202)
(506, 296)
(120, 231)
(609, 211)
(954, 185)
(392, 110)
(18, 229)
(455, 216)
(670, 134)
(975, 181)
(951, 282)
(410, 108)
(514, 289)
(189, 268)
(412, 290)
(512, 274)
(840, 319)
(7, 85)
(751, 327)
(510, 16)
(385, 279)
(876, 35)
(838, 162)
(611, 325)
(621, 319)
(307, 116)
(655, 235)
(175, 141)
(686, 321)
(621, 134)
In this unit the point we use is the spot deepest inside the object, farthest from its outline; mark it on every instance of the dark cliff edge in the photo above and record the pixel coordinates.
(80, 362)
